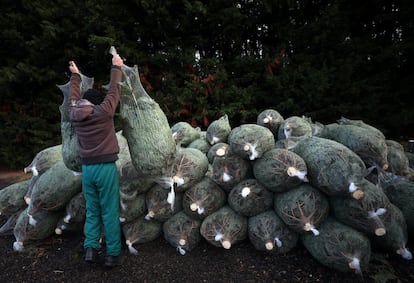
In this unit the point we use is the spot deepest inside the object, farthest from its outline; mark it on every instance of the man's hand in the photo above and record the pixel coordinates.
(117, 60)
(73, 68)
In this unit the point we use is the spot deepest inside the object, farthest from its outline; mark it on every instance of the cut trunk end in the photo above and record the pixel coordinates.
(291, 171)
(220, 152)
(226, 244)
(269, 246)
(193, 207)
(380, 231)
(358, 194)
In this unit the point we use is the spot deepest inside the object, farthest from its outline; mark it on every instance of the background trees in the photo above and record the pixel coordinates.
(199, 59)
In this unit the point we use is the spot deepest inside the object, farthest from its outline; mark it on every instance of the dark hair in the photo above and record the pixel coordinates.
(94, 96)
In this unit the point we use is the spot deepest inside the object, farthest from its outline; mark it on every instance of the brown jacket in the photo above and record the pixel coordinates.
(94, 124)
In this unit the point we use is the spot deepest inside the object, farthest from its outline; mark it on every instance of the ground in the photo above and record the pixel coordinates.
(60, 259)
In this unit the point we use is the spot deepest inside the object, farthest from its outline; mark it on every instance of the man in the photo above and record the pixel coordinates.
(93, 120)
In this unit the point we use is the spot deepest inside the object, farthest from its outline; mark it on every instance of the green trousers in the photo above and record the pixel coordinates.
(101, 189)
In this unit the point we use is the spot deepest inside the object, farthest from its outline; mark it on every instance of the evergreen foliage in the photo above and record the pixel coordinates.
(201, 59)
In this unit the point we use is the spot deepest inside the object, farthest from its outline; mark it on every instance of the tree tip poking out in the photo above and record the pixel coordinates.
(67, 218)
(18, 246)
(355, 264)
(214, 140)
(226, 177)
(405, 253)
(181, 250)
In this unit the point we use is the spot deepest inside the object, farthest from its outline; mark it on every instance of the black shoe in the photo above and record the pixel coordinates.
(90, 255)
(112, 261)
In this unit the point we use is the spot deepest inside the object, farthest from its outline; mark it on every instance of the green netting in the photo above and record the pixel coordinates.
(203, 199)
(70, 151)
(250, 141)
(401, 194)
(294, 126)
(366, 214)
(76, 209)
(218, 131)
(332, 167)
(397, 159)
(63, 227)
(339, 246)
(316, 126)
(302, 208)
(140, 231)
(267, 232)
(184, 134)
(182, 232)
(132, 208)
(220, 149)
(145, 126)
(201, 144)
(270, 119)
(224, 228)
(32, 182)
(36, 227)
(131, 183)
(280, 170)
(369, 145)
(190, 166)
(410, 157)
(44, 159)
(7, 227)
(158, 205)
(203, 135)
(362, 124)
(250, 198)
(396, 238)
(54, 189)
(229, 170)
(124, 156)
(12, 197)
(74, 218)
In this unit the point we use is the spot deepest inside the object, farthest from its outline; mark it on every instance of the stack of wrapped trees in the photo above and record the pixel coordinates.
(341, 189)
